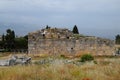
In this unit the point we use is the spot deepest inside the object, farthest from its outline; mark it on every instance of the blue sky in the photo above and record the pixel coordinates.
(93, 17)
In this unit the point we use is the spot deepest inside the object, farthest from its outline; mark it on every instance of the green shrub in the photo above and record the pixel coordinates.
(87, 57)
(95, 62)
(62, 56)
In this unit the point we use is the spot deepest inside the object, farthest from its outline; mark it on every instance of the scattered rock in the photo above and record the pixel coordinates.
(14, 60)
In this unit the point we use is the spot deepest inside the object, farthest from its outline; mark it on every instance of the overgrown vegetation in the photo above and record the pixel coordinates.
(86, 57)
(117, 39)
(60, 71)
(11, 42)
(106, 69)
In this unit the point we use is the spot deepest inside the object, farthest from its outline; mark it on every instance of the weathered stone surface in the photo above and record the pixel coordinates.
(4, 62)
(58, 61)
(23, 60)
(62, 41)
(14, 60)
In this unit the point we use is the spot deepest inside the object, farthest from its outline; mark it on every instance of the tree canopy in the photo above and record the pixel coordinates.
(10, 39)
(10, 42)
(75, 30)
(117, 39)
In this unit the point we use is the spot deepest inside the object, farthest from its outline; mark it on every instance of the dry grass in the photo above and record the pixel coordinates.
(60, 71)
(106, 69)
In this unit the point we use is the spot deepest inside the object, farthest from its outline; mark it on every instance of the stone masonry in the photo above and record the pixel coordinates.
(63, 41)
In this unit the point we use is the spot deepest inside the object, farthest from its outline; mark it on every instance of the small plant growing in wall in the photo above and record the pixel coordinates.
(86, 57)
(62, 56)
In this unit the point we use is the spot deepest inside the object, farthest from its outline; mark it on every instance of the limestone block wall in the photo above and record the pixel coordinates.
(94, 45)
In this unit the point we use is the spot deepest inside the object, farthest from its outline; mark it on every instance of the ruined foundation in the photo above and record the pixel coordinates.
(63, 42)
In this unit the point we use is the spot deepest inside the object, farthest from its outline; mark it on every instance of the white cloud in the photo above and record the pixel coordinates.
(85, 13)
(59, 5)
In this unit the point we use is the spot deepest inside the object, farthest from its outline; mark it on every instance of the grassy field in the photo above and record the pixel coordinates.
(104, 69)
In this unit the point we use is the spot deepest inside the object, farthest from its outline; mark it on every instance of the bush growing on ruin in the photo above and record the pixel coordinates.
(62, 56)
(86, 57)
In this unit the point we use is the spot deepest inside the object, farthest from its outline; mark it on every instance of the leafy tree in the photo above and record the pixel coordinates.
(2, 42)
(75, 30)
(47, 27)
(13, 35)
(10, 39)
(21, 43)
(3, 37)
(26, 37)
(117, 39)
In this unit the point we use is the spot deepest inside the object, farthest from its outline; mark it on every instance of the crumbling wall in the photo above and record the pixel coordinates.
(96, 46)
(63, 41)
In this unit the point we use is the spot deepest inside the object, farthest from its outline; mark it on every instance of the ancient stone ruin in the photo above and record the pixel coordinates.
(63, 41)
(15, 60)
